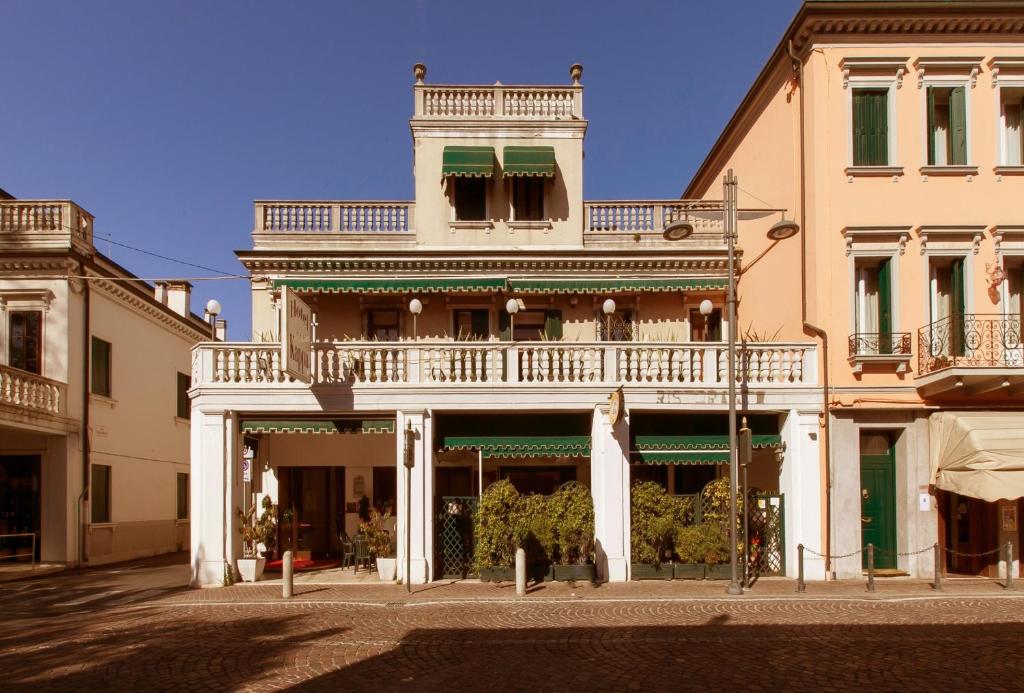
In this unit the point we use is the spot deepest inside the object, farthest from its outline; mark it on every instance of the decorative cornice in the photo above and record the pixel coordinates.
(970, 66)
(998, 65)
(869, 234)
(122, 294)
(898, 66)
(950, 232)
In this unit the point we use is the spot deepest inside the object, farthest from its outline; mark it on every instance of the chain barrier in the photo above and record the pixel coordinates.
(974, 555)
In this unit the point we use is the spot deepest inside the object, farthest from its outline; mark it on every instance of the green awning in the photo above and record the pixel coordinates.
(394, 286)
(654, 443)
(319, 426)
(529, 161)
(686, 457)
(522, 446)
(471, 162)
(579, 286)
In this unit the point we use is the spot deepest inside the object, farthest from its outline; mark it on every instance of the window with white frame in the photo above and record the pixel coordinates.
(947, 305)
(1014, 268)
(870, 126)
(947, 125)
(873, 307)
(1011, 106)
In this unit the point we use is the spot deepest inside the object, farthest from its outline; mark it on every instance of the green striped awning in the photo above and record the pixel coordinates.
(394, 286)
(471, 162)
(576, 286)
(529, 161)
(522, 446)
(684, 457)
(319, 426)
(653, 443)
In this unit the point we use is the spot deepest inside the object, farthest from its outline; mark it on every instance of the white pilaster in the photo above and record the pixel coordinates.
(420, 519)
(216, 491)
(801, 482)
(609, 485)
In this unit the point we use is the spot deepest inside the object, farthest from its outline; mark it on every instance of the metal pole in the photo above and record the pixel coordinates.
(746, 524)
(871, 567)
(288, 575)
(938, 568)
(800, 585)
(408, 520)
(1009, 565)
(480, 473)
(730, 233)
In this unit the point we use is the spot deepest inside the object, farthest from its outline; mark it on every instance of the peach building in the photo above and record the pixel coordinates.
(894, 130)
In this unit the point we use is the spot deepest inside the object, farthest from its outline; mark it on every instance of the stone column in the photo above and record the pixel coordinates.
(216, 494)
(801, 481)
(609, 485)
(421, 518)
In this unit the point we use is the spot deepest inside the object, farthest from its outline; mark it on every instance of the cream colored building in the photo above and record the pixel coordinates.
(894, 129)
(94, 374)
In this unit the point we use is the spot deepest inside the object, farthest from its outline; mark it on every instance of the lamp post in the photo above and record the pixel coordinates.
(212, 311)
(678, 231)
(415, 307)
(706, 307)
(512, 307)
(608, 308)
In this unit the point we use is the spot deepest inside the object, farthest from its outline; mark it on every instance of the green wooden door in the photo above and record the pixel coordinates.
(878, 507)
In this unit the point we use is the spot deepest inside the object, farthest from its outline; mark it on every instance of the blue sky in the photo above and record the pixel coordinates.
(166, 120)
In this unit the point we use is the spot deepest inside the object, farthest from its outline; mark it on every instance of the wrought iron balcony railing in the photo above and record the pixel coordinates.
(880, 344)
(970, 340)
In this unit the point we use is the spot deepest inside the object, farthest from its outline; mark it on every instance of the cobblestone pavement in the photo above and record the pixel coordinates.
(108, 632)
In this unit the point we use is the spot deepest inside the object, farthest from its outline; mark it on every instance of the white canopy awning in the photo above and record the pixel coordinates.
(978, 454)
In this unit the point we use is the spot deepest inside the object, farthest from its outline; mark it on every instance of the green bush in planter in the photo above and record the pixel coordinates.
(715, 507)
(705, 543)
(535, 529)
(497, 526)
(571, 509)
(655, 517)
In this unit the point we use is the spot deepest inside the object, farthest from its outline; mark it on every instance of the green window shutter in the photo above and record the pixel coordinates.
(880, 134)
(958, 127)
(860, 117)
(505, 326)
(553, 324)
(931, 126)
(885, 307)
(870, 127)
(957, 335)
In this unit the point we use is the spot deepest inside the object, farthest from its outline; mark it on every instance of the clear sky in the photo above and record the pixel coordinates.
(166, 120)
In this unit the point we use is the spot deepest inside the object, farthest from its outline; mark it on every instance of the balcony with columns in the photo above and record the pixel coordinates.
(31, 400)
(45, 224)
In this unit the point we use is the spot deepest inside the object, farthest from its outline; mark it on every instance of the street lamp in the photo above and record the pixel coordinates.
(706, 307)
(512, 307)
(608, 308)
(415, 307)
(677, 231)
(213, 309)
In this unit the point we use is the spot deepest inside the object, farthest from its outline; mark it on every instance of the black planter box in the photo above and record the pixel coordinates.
(650, 571)
(718, 572)
(688, 571)
(498, 574)
(579, 573)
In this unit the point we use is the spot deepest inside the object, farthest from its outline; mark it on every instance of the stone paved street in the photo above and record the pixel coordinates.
(133, 627)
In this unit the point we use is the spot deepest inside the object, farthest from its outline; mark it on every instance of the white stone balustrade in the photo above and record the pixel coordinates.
(20, 388)
(334, 216)
(44, 223)
(638, 216)
(514, 364)
(498, 101)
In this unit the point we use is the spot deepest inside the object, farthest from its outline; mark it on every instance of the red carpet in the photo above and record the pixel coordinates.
(302, 564)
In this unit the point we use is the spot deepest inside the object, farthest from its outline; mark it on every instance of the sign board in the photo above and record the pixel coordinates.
(616, 406)
(296, 336)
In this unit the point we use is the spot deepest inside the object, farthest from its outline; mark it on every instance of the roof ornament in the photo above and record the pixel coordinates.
(576, 72)
(419, 70)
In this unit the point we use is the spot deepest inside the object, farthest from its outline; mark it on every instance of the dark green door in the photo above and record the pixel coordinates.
(878, 507)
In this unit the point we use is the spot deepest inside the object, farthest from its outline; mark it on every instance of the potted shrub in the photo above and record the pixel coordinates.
(571, 510)
(653, 521)
(689, 548)
(496, 533)
(715, 547)
(535, 529)
(379, 544)
(258, 534)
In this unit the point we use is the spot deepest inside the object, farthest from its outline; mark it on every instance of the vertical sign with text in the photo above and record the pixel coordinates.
(296, 336)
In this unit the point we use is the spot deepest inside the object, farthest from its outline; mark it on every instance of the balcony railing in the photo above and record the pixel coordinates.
(880, 344)
(525, 363)
(498, 101)
(44, 222)
(334, 216)
(20, 388)
(970, 340)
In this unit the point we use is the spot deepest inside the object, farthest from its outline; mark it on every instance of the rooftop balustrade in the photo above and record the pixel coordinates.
(44, 224)
(458, 102)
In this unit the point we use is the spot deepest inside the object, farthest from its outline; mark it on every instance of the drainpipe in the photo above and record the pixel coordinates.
(809, 326)
(84, 495)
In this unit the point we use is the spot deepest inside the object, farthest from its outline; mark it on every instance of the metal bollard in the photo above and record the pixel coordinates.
(800, 585)
(938, 568)
(871, 567)
(1009, 565)
(288, 573)
(520, 573)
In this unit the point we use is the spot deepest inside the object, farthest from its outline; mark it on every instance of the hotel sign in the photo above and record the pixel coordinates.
(296, 336)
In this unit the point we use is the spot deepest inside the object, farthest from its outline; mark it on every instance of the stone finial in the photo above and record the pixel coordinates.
(576, 72)
(419, 70)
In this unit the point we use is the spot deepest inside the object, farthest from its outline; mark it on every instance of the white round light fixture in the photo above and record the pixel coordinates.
(608, 306)
(415, 306)
(213, 307)
(512, 306)
(706, 306)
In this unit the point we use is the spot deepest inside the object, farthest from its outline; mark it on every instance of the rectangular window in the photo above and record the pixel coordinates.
(184, 411)
(706, 328)
(947, 126)
(1015, 296)
(532, 325)
(870, 127)
(469, 196)
(182, 496)
(471, 323)
(26, 345)
(1011, 108)
(617, 327)
(100, 491)
(528, 198)
(873, 307)
(101, 367)
(948, 304)
(382, 325)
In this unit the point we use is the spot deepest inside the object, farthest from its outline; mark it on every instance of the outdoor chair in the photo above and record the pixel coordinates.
(362, 553)
(348, 550)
